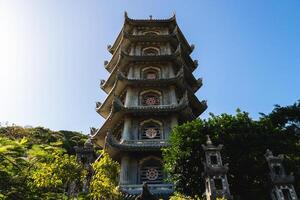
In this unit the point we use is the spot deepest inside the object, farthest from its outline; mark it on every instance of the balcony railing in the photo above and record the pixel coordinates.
(154, 188)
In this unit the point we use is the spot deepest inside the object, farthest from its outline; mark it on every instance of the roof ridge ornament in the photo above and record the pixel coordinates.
(208, 141)
(268, 153)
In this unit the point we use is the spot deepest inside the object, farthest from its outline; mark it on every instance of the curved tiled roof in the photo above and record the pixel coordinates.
(134, 145)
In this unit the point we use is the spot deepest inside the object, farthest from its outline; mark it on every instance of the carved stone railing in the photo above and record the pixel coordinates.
(154, 188)
(145, 142)
(129, 145)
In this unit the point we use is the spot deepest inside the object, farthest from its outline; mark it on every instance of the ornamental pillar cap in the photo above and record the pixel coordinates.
(208, 141)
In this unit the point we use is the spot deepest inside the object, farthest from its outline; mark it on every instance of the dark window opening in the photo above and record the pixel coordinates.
(218, 184)
(213, 160)
(277, 170)
(150, 74)
(286, 194)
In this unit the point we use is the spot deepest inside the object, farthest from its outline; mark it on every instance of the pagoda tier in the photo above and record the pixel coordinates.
(151, 89)
(178, 56)
(190, 100)
(119, 75)
(122, 83)
(185, 110)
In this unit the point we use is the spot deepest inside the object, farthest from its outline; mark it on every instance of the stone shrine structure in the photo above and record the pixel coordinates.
(86, 156)
(150, 90)
(216, 183)
(282, 184)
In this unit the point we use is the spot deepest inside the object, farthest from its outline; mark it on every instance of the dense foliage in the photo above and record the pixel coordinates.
(104, 183)
(37, 163)
(245, 142)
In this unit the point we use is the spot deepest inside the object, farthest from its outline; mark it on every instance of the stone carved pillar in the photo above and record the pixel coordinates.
(173, 98)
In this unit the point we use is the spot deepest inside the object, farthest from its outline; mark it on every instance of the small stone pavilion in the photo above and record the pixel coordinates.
(215, 173)
(151, 89)
(282, 183)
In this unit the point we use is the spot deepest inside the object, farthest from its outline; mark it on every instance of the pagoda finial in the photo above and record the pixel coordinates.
(125, 14)
(208, 141)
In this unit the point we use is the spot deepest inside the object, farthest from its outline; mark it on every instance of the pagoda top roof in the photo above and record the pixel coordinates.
(128, 22)
(150, 20)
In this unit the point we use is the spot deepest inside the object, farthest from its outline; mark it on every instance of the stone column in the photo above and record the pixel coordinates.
(132, 47)
(124, 173)
(126, 130)
(169, 49)
(130, 72)
(173, 98)
(129, 97)
(132, 169)
(171, 71)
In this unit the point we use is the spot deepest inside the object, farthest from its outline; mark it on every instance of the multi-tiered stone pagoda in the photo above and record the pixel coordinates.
(151, 89)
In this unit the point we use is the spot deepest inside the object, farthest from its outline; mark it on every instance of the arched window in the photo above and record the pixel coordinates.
(151, 33)
(151, 73)
(151, 129)
(150, 51)
(151, 170)
(150, 99)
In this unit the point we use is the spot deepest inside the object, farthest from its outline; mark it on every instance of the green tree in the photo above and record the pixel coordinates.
(28, 155)
(59, 175)
(104, 182)
(178, 196)
(245, 142)
(13, 173)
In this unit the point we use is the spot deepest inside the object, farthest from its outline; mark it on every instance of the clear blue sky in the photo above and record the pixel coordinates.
(52, 54)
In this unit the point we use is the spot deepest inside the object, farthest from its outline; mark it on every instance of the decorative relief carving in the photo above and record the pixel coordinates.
(152, 174)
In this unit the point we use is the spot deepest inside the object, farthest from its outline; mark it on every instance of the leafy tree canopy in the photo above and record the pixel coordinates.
(38, 163)
(104, 183)
(245, 141)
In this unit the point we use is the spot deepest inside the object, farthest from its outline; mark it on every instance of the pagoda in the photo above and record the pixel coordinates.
(151, 89)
